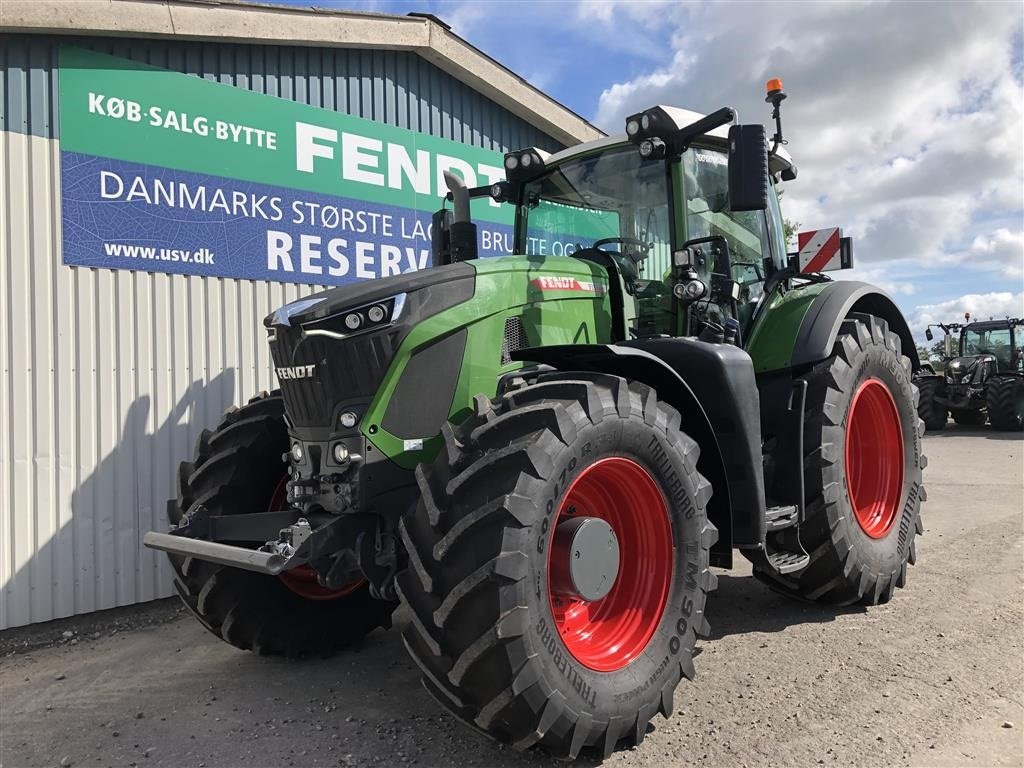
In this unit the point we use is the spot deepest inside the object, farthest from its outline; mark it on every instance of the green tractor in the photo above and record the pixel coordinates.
(982, 377)
(541, 457)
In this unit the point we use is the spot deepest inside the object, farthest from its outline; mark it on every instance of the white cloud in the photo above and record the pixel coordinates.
(905, 119)
(881, 276)
(982, 306)
(1002, 250)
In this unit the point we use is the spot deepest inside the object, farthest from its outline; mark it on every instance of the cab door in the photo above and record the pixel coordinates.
(755, 244)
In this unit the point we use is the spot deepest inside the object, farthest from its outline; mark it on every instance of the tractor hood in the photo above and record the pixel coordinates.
(337, 352)
(969, 368)
(333, 348)
(334, 302)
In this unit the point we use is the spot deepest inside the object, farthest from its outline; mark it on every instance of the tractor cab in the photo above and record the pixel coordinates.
(681, 211)
(996, 338)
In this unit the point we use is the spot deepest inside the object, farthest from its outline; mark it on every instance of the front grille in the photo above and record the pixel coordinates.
(344, 370)
(514, 340)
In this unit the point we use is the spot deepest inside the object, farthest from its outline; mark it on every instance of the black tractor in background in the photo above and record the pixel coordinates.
(983, 379)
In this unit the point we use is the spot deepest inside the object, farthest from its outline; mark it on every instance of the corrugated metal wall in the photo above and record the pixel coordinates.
(108, 376)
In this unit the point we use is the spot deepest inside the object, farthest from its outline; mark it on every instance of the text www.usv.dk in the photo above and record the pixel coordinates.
(201, 256)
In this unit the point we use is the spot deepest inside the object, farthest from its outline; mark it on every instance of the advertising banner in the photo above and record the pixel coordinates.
(166, 172)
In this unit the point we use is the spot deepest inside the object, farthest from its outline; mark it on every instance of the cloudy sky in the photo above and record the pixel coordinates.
(905, 119)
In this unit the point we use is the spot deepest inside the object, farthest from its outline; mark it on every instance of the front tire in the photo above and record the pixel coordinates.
(933, 414)
(498, 642)
(238, 469)
(1005, 400)
(862, 471)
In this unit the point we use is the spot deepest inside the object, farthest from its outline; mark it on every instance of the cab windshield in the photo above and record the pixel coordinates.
(993, 342)
(612, 194)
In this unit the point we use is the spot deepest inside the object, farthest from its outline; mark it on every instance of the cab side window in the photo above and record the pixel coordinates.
(776, 230)
(706, 175)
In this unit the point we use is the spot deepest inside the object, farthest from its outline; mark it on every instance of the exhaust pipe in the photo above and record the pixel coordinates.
(462, 233)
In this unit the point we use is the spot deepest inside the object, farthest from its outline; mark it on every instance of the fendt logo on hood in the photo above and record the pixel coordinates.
(562, 283)
(296, 372)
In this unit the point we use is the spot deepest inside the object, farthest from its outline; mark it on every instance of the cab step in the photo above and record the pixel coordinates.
(784, 561)
(780, 518)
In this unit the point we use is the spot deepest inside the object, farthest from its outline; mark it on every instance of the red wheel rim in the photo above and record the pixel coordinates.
(302, 580)
(607, 634)
(874, 458)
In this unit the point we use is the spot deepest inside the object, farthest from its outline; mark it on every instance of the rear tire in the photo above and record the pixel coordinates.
(969, 418)
(491, 640)
(1005, 400)
(237, 468)
(933, 414)
(859, 552)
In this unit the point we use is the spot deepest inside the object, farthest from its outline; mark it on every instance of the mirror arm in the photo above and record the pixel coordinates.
(681, 139)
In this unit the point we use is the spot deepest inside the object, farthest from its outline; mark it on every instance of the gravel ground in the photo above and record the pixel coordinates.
(935, 678)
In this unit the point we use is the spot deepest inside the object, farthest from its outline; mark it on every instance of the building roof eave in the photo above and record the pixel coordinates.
(243, 22)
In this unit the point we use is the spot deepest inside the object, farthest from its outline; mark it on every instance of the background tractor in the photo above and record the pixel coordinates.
(541, 457)
(983, 375)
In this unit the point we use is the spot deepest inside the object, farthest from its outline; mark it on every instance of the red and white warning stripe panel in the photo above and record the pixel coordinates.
(823, 250)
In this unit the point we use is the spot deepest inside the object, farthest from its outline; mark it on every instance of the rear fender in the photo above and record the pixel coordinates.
(799, 328)
(820, 326)
(719, 410)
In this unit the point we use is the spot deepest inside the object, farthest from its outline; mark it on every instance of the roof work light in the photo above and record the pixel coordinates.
(525, 164)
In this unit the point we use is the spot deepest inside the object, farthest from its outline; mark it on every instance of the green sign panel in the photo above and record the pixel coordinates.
(169, 172)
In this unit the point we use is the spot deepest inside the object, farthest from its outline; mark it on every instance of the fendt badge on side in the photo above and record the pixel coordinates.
(295, 372)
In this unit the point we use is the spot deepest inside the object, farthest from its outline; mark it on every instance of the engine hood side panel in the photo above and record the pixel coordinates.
(517, 300)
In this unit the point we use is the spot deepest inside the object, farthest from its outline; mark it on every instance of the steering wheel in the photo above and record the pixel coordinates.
(640, 244)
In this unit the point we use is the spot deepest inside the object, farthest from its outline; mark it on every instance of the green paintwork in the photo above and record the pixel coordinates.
(505, 287)
(771, 342)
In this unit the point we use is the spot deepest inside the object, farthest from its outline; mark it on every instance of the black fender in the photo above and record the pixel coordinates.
(820, 325)
(714, 389)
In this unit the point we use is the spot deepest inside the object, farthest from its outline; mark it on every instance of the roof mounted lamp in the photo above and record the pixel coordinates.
(525, 164)
(667, 131)
(775, 96)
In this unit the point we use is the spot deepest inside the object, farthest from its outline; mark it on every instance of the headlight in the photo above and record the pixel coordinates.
(340, 453)
(632, 127)
(348, 419)
(511, 162)
(353, 320)
(376, 313)
(297, 452)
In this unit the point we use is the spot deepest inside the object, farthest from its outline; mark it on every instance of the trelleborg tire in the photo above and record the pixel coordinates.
(933, 414)
(497, 644)
(862, 471)
(1005, 401)
(237, 469)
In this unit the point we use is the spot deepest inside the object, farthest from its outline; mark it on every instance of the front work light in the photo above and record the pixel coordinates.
(652, 148)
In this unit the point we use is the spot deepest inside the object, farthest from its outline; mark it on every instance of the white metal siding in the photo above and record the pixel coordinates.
(108, 377)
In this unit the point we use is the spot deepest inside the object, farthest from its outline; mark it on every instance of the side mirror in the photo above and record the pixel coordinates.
(748, 168)
(928, 334)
